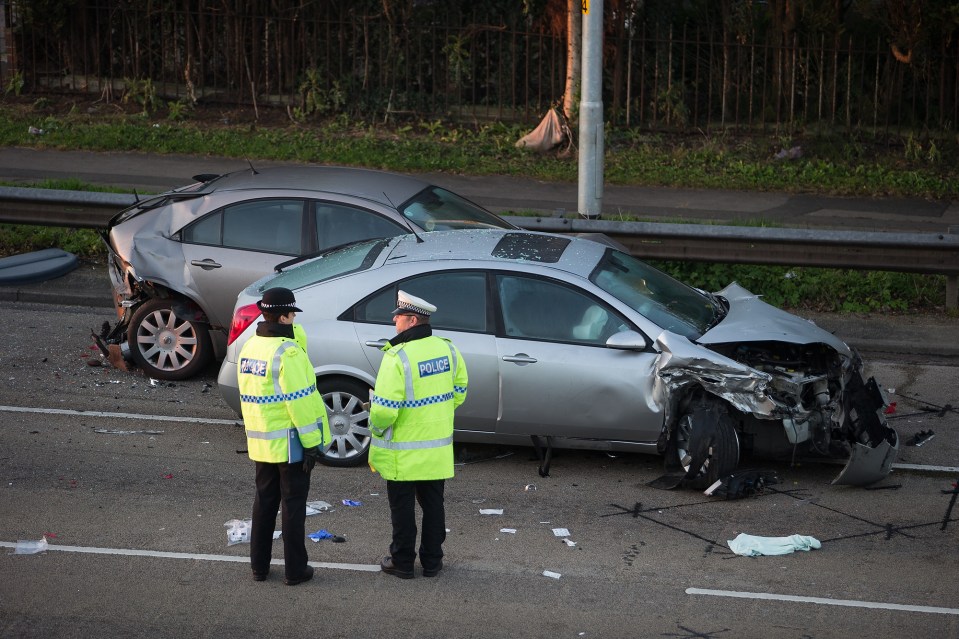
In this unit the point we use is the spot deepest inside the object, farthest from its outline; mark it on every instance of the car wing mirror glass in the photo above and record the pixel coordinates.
(627, 341)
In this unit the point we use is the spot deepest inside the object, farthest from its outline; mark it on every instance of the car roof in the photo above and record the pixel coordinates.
(389, 189)
(564, 252)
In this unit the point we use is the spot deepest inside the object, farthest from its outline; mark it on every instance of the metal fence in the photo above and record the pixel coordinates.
(657, 75)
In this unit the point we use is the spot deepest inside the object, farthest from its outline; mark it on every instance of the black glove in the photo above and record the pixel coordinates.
(310, 456)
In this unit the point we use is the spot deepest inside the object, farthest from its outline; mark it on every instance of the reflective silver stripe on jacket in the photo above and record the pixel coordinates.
(407, 373)
(453, 358)
(280, 434)
(269, 435)
(276, 365)
(430, 443)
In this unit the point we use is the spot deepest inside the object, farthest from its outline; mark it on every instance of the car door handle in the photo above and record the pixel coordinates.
(519, 358)
(380, 343)
(206, 264)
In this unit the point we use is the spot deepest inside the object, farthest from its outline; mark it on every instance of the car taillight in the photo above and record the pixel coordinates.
(242, 318)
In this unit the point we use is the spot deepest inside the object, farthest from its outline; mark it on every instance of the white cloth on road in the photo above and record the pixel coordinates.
(753, 546)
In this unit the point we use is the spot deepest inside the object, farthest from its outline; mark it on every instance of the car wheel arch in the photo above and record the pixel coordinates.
(171, 348)
(703, 439)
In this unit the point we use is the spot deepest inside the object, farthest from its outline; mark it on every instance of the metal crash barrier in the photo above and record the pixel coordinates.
(928, 253)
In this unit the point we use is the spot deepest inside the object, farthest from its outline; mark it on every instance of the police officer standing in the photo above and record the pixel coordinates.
(280, 404)
(421, 380)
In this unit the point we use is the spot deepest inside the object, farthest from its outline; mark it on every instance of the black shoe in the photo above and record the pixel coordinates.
(432, 572)
(389, 568)
(305, 576)
(260, 576)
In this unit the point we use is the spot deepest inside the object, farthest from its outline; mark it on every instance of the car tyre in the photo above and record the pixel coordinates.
(165, 346)
(344, 399)
(705, 443)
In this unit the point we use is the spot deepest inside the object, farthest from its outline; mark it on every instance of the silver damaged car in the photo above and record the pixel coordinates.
(574, 342)
(179, 259)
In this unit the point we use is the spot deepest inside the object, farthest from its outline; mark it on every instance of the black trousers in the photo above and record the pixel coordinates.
(277, 485)
(402, 496)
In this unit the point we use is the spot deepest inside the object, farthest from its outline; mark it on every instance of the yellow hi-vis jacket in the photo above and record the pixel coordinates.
(418, 386)
(278, 392)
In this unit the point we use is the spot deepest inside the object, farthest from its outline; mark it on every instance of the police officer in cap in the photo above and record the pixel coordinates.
(421, 380)
(278, 393)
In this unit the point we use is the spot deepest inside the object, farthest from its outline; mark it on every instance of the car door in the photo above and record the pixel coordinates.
(557, 377)
(232, 247)
(462, 316)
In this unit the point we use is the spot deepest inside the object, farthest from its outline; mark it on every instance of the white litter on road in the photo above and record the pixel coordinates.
(550, 573)
(561, 532)
(491, 511)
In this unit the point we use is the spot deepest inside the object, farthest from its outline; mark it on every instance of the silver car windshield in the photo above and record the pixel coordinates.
(667, 302)
(436, 209)
(333, 263)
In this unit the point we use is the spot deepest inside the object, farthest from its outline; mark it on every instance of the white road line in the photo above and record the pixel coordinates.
(823, 601)
(96, 413)
(187, 555)
(926, 467)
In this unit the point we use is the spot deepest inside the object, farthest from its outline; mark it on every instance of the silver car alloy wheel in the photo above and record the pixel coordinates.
(166, 346)
(348, 421)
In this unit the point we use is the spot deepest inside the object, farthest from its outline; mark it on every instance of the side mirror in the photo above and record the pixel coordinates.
(627, 341)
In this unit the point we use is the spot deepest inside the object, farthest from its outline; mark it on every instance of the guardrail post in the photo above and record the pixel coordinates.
(952, 282)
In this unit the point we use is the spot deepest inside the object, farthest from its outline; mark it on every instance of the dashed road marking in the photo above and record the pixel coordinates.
(159, 554)
(822, 601)
(96, 413)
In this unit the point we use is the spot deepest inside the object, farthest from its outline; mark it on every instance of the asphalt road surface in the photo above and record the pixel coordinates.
(132, 481)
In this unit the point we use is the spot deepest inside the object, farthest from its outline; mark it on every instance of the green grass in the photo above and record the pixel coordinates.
(23, 238)
(848, 164)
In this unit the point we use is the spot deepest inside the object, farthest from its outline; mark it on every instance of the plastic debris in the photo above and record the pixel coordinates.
(491, 511)
(511, 531)
(238, 531)
(561, 532)
(742, 483)
(30, 547)
(530, 488)
(326, 534)
(793, 153)
(569, 542)
(550, 573)
(105, 431)
(35, 131)
(352, 502)
(314, 507)
(920, 438)
(890, 409)
(752, 546)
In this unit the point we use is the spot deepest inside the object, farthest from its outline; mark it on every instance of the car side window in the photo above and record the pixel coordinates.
(459, 296)
(271, 226)
(338, 224)
(541, 309)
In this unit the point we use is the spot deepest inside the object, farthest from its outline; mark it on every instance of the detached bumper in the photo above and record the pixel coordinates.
(875, 445)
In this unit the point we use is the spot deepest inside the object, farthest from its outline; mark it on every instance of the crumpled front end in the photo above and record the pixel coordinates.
(816, 394)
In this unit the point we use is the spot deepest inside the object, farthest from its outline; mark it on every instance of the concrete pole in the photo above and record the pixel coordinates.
(590, 201)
